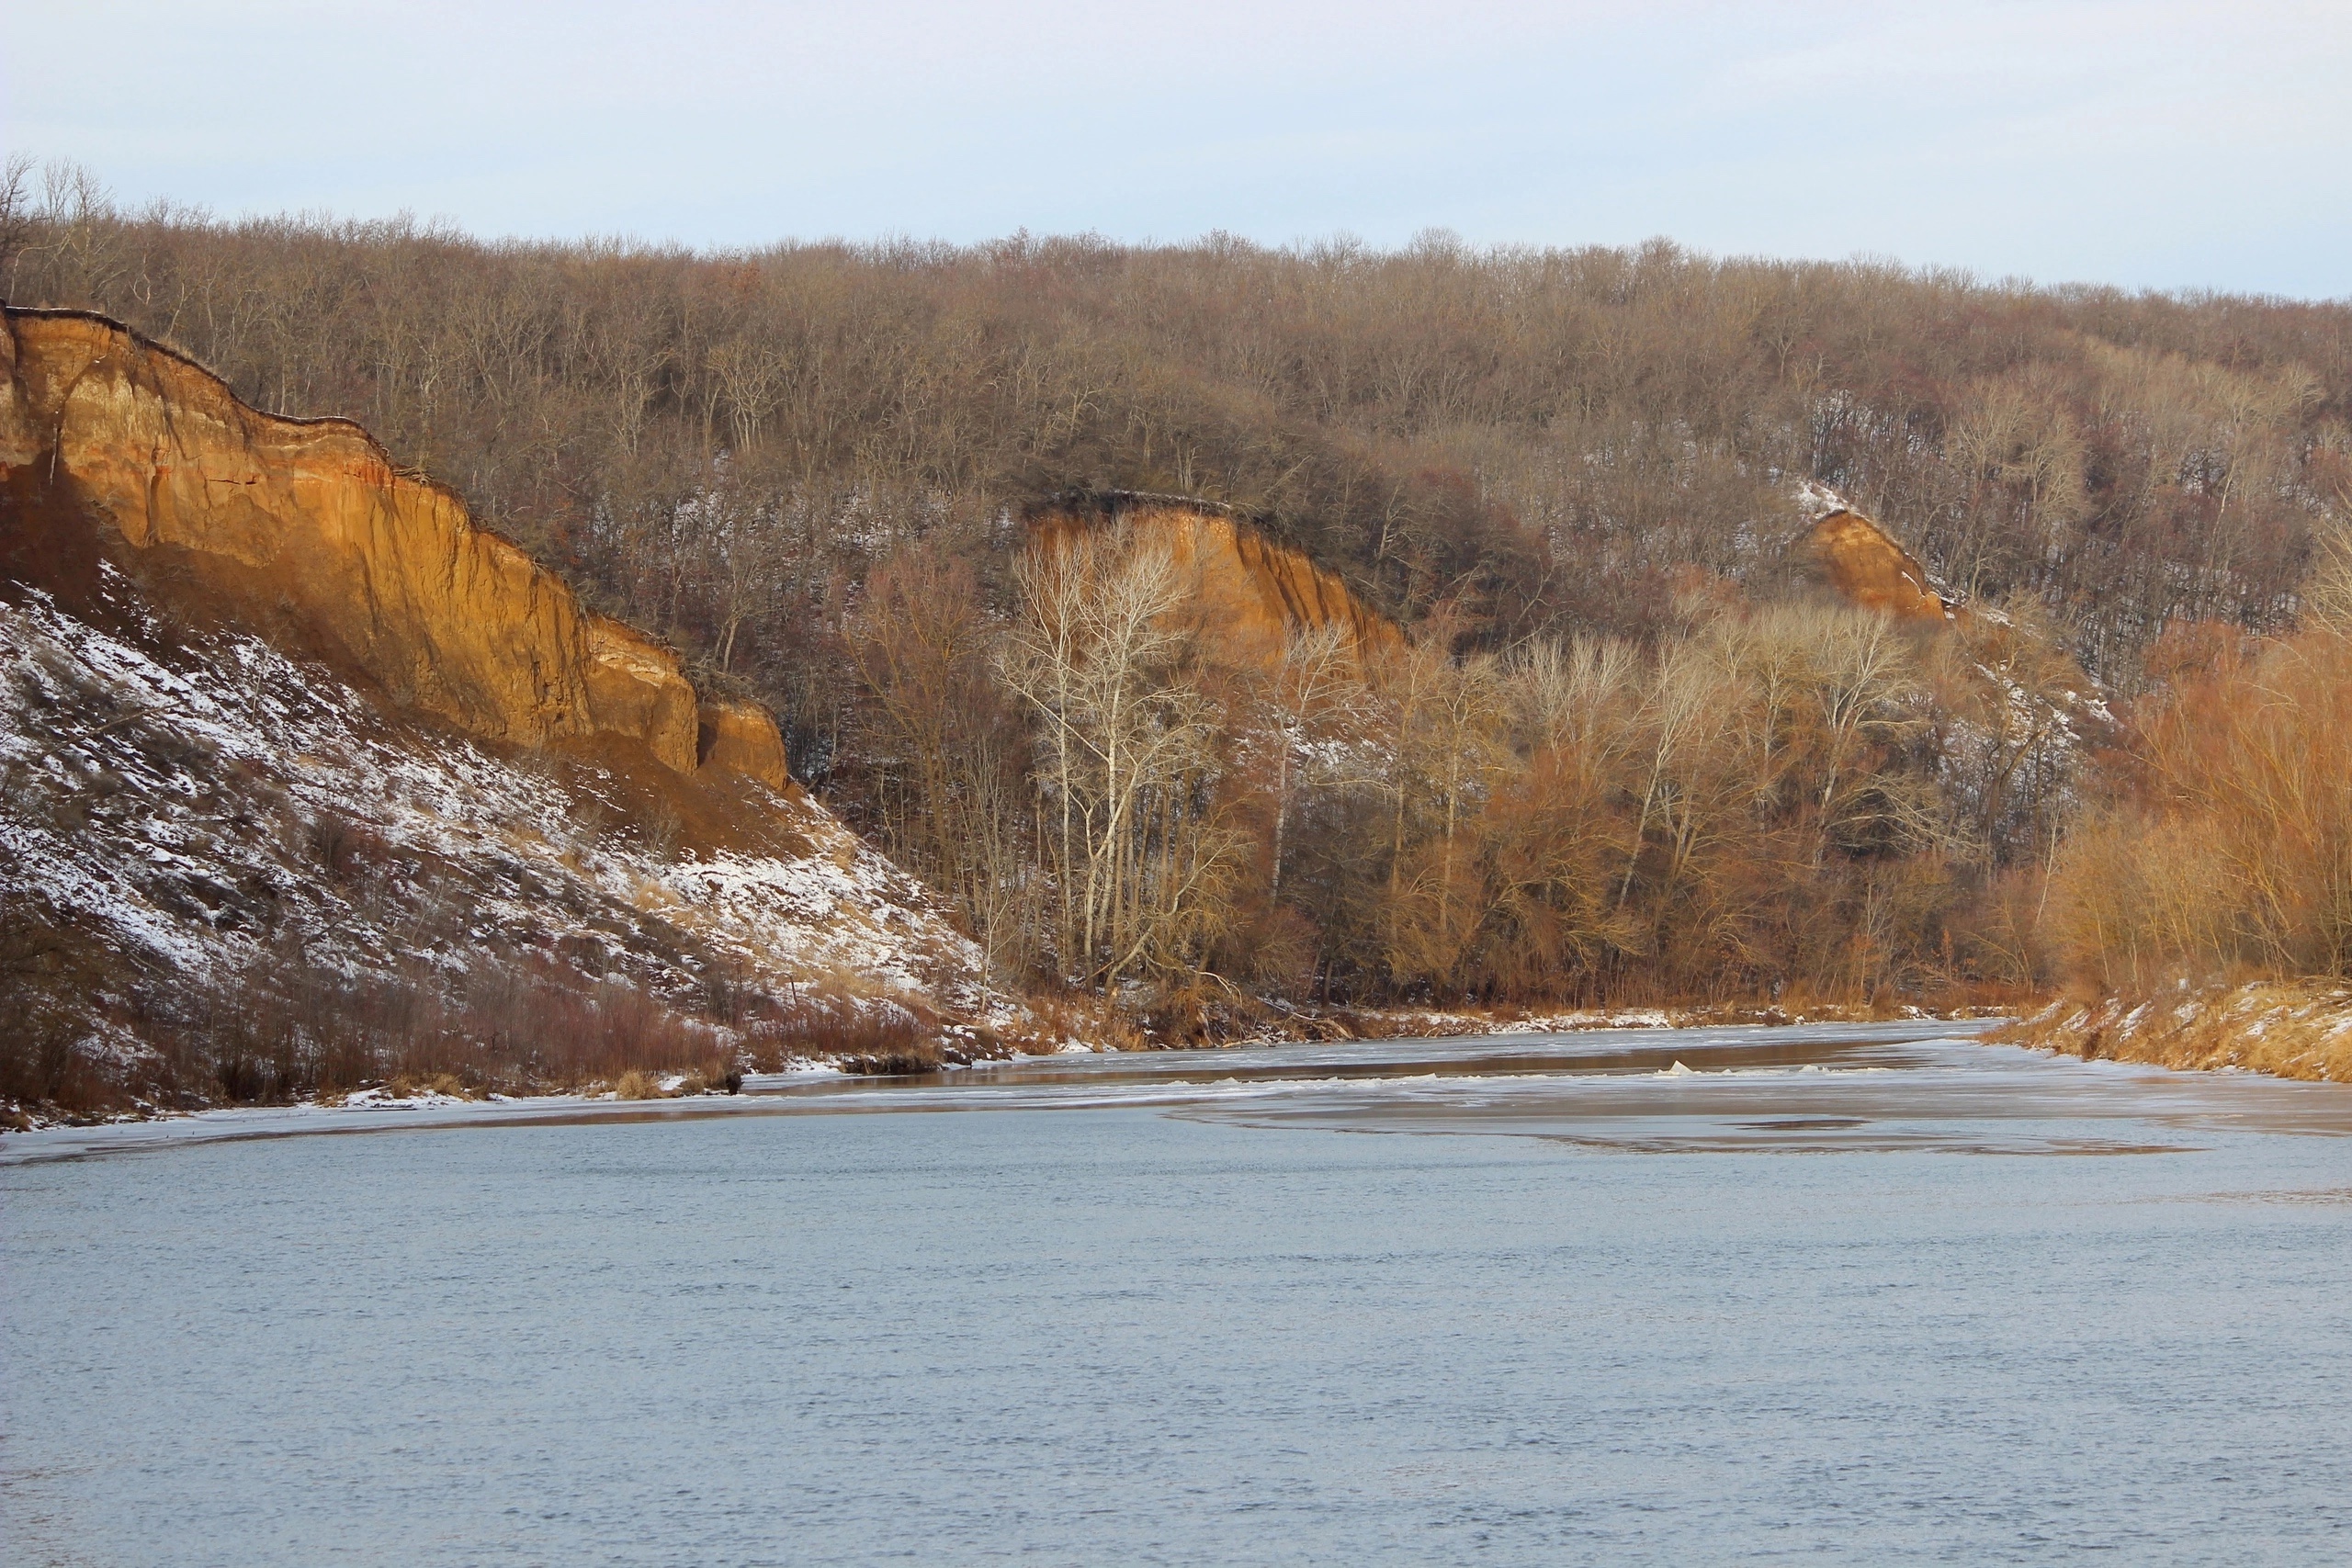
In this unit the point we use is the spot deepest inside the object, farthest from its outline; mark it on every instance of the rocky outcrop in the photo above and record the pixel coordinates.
(635, 689)
(251, 676)
(1862, 562)
(742, 738)
(1250, 591)
(313, 517)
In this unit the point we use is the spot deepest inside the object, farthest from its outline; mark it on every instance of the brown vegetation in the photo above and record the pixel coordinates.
(1753, 801)
(297, 1029)
(2205, 912)
(1493, 661)
(2290, 1029)
(720, 445)
(2230, 857)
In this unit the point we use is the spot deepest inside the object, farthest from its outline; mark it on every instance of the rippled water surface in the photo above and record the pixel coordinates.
(1838, 1294)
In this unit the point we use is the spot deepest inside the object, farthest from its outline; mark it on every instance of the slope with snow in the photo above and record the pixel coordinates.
(211, 815)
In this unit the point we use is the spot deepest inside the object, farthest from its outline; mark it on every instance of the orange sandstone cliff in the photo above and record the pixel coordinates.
(1250, 592)
(310, 517)
(1867, 567)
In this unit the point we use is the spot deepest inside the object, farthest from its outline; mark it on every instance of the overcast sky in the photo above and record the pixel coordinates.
(2132, 142)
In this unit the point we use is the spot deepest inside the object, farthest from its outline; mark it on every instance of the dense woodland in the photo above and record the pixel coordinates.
(1625, 751)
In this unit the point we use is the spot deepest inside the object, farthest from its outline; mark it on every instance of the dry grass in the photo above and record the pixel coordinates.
(1060, 1016)
(50, 973)
(863, 1034)
(2229, 857)
(2296, 1028)
(294, 1033)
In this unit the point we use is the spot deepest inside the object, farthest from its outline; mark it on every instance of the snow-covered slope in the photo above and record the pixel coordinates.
(220, 819)
(308, 781)
(151, 762)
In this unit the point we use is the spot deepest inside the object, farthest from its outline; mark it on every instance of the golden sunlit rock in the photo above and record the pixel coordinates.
(385, 568)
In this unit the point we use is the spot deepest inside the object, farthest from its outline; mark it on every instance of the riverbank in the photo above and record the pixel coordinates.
(1064, 1032)
(2288, 1029)
(1332, 1023)
(377, 1110)
(1681, 1056)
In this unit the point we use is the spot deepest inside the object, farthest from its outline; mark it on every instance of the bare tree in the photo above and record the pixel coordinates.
(1128, 755)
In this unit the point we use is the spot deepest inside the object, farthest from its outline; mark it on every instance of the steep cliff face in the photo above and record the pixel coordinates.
(311, 516)
(742, 738)
(1864, 564)
(284, 736)
(1250, 592)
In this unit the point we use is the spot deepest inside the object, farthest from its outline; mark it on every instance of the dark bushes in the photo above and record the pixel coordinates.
(865, 1035)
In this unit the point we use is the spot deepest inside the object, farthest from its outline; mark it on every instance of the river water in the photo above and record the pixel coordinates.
(1837, 1294)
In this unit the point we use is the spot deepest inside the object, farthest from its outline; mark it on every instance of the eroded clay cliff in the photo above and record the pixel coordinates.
(385, 568)
(1249, 592)
(1868, 568)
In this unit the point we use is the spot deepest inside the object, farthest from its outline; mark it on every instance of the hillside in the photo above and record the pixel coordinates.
(1220, 631)
(309, 522)
(712, 444)
(318, 782)
(313, 783)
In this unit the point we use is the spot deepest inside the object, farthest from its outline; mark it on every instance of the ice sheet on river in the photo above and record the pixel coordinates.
(1804, 1089)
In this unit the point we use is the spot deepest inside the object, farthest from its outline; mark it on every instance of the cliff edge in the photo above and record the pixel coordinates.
(1249, 592)
(307, 784)
(312, 517)
(1865, 565)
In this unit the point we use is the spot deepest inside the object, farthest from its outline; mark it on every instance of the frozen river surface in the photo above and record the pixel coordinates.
(1711, 1296)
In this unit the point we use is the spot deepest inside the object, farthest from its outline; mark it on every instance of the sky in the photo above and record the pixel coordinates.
(2148, 143)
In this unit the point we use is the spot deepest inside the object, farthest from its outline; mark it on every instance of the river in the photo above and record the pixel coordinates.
(1849, 1294)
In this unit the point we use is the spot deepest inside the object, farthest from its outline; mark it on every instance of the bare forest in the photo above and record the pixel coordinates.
(1626, 751)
